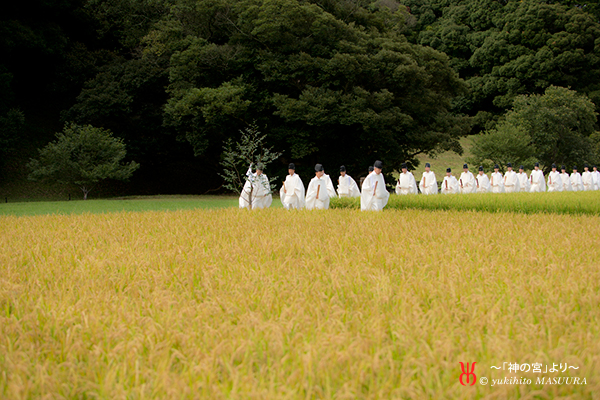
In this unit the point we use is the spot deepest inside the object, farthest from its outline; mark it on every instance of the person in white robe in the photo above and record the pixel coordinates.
(576, 183)
(449, 184)
(511, 180)
(596, 177)
(482, 182)
(587, 179)
(292, 192)
(524, 184)
(497, 181)
(330, 187)
(428, 183)
(406, 182)
(467, 182)
(538, 183)
(554, 180)
(317, 195)
(374, 195)
(347, 186)
(258, 188)
(565, 179)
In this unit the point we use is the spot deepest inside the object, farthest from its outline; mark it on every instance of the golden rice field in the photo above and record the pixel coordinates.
(338, 304)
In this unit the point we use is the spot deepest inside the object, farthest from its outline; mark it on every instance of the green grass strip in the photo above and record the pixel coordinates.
(526, 203)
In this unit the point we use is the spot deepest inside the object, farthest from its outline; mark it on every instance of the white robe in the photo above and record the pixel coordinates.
(483, 183)
(428, 184)
(596, 179)
(497, 182)
(467, 183)
(374, 196)
(406, 184)
(330, 187)
(449, 185)
(576, 183)
(317, 188)
(294, 198)
(261, 191)
(347, 187)
(511, 182)
(566, 182)
(538, 183)
(555, 182)
(588, 180)
(524, 184)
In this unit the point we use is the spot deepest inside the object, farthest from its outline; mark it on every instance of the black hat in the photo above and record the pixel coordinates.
(465, 166)
(318, 168)
(496, 166)
(509, 165)
(553, 165)
(522, 167)
(481, 168)
(427, 165)
(342, 169)
(575, 167)
(378, 164)
(370, 168)
(537, 164)
(292, 166)
(585, 166)
(563, 167)
(404, 166)
(448, 170)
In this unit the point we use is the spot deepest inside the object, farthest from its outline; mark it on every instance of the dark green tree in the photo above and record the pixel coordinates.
(556, 127)
(330, 90)
(82, 156)
(507, 48)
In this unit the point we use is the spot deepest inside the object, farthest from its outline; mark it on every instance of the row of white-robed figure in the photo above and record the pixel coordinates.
(320, 189)
(513, 181)
(374, 195)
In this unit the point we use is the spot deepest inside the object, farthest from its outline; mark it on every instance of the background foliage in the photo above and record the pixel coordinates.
(335, 82)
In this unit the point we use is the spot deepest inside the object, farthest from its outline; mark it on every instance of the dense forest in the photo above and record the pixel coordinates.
(333, 81)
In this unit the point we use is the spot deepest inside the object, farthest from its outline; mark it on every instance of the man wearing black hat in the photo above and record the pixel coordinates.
(292, 192)
(576, 183)
(511, 180)
(406, 182)
(466, 183)
(565, 179)
(449, 184)
(428, 184)
(374, 196)
(587, 179)
(482, 182)
(537, 180)
(554, 180)
(317, 196)
(596, 178)
(497, 181)
(347, 186)
(524, 184)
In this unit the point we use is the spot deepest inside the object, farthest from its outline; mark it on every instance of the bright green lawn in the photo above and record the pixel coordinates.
(146, 203)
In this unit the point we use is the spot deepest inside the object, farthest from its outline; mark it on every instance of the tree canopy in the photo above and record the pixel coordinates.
(335, 81)
(82, 156)
(556, 127)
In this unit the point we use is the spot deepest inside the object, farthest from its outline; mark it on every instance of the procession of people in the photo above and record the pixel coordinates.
(374, 194)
